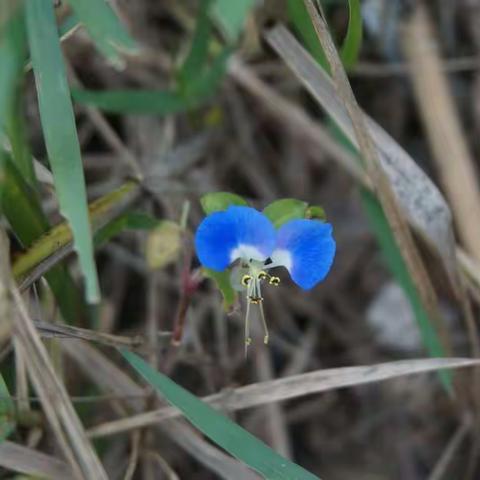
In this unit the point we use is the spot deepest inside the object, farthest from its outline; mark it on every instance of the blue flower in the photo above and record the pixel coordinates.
(306, 248)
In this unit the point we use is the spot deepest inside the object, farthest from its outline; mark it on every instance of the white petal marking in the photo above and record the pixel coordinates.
(282, 257)
(246, 252)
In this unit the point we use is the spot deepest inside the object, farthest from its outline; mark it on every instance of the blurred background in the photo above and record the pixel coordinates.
(254, 128)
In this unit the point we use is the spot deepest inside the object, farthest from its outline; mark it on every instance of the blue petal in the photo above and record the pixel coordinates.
(238, 232)
(306, 248)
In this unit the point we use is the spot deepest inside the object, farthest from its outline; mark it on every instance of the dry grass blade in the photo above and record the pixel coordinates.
(50, 330)
(5, 298)
(54, 398)
(292, 387)
(295, 119)
(420, 199)
(369, 150)
(440, 468)
(30, 462)
(442, 124)
(109, 377)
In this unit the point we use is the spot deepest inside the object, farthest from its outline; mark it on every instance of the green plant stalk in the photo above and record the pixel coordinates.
(61, 235)
(24, 214)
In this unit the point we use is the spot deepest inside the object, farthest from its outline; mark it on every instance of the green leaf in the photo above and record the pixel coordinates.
(231, 16)
(24, 214)
(221, 430)
(105, 28)
(353, 39)
(218, 201)
(60, 133)
(7, 410)
(198, 55)
(222, 280)
(285, 209)
(298, 14)
(126, 221)
(316, 212)
(160, 102)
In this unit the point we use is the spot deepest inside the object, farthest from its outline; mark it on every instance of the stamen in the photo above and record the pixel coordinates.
(262, 314)
(246, 279)
(263, 275)
(275, 281)
(248, 339)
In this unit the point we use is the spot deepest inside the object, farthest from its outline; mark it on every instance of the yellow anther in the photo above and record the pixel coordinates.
(263, 275)
(246, 279)
(255, 300)
(274, 281)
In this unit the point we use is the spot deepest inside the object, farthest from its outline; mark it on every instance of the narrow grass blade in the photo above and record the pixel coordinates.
(422, 196)
(60, 133)
(12, 55)
(19, 458)
(206, 85)
(198, 55)
(105, 28)
(231, 16)
(300, 18)
(291, 387)
(13, 52)
(352, 42)
(7, 409)
(156, 102)
(353, 39)
(396, 264)
(227, 434)
(24, 214)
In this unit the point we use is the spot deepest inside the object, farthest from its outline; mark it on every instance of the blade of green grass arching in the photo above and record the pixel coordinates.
(221, 430)
(155, 102)
(351, 44)
(205, 85)
(231, 15)
(298, 14)
(13, 52)
(105, 28)
(58, 123)
(353, 39)
(159, 102)
(198, 55)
